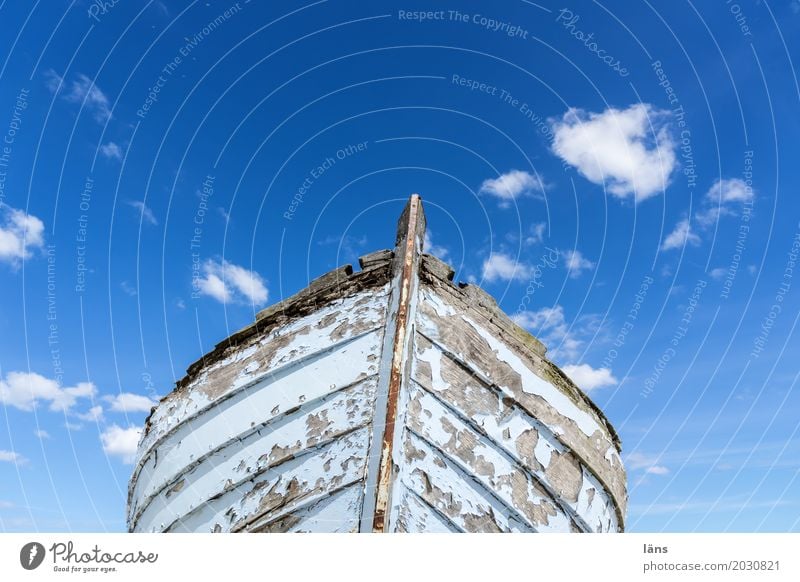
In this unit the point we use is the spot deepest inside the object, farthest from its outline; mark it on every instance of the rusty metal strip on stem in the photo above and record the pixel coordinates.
(379, 522)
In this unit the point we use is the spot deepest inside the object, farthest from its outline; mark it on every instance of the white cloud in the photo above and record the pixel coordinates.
(648, 463)
(550, 326)
(511, 185)
(128, 289)
(111, 150)
(94, 414)
(227, 282)
(129, 402)
(681, 235)
(536, 233)
(433, 249)
(733, 190)
(629, 150)
(589, 378)
(41, 434)
(707, 217)
(121, 442)
(248, 283)
(718, 273)
(723, 199)
(214, 287)
(502, 267)
(24, 390)
(53, 80)
(12, 457)
(551, 318)
(81, 91)
(19, 234)
(576, 263)
(145, 213)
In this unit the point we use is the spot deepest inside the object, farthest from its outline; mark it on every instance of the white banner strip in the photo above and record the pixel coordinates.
(341, 557)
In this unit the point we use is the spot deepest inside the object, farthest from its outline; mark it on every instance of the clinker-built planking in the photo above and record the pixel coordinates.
(389, 400)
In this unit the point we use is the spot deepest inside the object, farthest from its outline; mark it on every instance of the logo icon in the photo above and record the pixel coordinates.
(31, 555)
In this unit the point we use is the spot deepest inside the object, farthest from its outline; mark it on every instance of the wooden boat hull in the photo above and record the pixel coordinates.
(389, 399)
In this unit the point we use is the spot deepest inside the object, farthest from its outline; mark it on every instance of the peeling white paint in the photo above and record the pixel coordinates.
(533, 384)
(340, 413)
(284, 431)
(270, 398)
(290, 485)
(181, 405)
(338, 513)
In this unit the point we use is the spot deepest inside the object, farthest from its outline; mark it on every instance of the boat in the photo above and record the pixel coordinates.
(383, 399)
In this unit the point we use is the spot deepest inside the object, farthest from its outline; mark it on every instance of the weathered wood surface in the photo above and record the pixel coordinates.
(275, 397)
(390, 399)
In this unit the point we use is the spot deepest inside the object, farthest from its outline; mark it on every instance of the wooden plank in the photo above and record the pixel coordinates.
(338, 513)
(447, 486)
(339, 413)
(513, 431)
(486, 461)
(349, 362)
(417, 516)
(522, 379)
(283, 487)
(338, 322)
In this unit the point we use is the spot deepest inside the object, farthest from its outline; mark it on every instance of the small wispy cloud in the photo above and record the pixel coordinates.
(53, 81)
(128, 289)
(129, 402)
(730, 190)
(512, 185)
(111, 151)
(576, 263)
(121, 442)
(145, 213)
(25, 390)
(589, 378)
(82, 91)
(680, 236)
(20, 233)
(536, 235)
(12, 457)
(649, 464)
(434, 249)
(94, 414)
(228, 283)
(549, 324)
(718, 273)
(724, 198)
(503, 267)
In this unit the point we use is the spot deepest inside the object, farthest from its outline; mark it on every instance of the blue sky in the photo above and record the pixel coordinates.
(622, 176)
